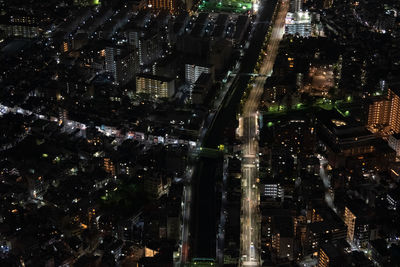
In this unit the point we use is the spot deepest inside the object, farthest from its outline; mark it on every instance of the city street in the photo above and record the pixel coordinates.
(240, 133)
(250, 228)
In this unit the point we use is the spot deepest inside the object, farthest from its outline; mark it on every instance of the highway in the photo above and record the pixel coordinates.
(250, 226)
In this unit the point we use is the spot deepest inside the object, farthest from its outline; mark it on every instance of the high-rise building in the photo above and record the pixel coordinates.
(329, 255)
(350, 221)
(109, 166)
(111, 53)
(325, 227)
(386, 111)
(350, 143)
(379, 112)
(355, 217)
(201, 88)
(156, 86)
(149, 47)
(121, 63)
(319, 233)
(323, 259)
(394, 121)
(193, 72)
(65, 46)
(126, 68)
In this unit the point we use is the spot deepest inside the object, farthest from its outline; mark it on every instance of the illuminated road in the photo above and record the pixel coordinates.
(250, 226)
(326, 182)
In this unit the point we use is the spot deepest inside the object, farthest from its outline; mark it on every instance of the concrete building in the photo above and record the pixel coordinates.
(156, 86)
(121, 63)
(325, 227)
(126, 67)
(296, 5)
(22, 24)
(394, 142)
(149, 48)
(386, 111)
(170, 5)
(298, 23)
(330, 256)
(319, 233)
(350, 221)
(272, 190)
(350, 144)
(283, 237)
(380, 252)
(379, 112)
(394, 121)
(201, 88)
(358, 230)
(193, 72)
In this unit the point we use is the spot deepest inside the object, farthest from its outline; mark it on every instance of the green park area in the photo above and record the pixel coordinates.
(282, 108)
(344, 107)
(235, 6)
